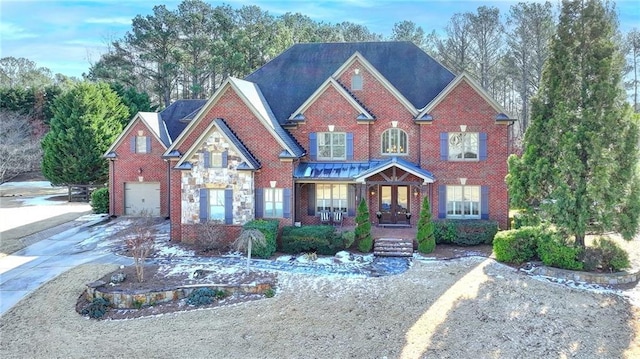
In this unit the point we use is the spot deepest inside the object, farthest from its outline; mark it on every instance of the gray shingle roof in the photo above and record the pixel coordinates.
(252, 162)
(176, 112)
(289, 79)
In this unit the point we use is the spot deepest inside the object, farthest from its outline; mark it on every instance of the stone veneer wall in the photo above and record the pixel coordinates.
(597, 278)
(228, 177)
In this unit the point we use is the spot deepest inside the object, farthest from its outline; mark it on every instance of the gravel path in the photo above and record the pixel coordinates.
(471, 307)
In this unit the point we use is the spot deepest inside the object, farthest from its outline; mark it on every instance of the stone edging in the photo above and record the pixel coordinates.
(138, 299)
(596, 278)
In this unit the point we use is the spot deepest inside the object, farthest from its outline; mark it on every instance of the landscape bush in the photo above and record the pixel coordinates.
(553, 252)
(97, 308)
(348, 238)
(270, 230)
(605, 255)
(320, 239)
(465, 232)
(517, 245)
(425, 234)
(525, 218)
(100, 200)
(363, 236)
(205, 296)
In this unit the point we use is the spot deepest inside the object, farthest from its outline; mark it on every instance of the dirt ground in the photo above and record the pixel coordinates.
(470, 307)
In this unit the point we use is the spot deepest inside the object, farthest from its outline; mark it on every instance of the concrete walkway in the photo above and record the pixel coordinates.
(24, 271)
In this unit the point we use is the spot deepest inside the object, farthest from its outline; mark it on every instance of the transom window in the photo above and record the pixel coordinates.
(216, 204)
(463, 202)
(394, 141)
(273, 203)
(463, 146)
(331, 197)
(332, 146)
(141, 144)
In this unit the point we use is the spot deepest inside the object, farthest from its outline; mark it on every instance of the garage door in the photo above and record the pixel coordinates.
(142, 198)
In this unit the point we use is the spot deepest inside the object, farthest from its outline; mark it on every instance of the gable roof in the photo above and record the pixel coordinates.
(403, 164)
(292, 77)
(332, 83)
(152, 121)
(251, 95)
(476, 86)
(249, 161)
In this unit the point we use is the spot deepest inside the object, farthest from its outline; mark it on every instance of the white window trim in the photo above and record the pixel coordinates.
(463, 159)
(268, 206)
(332, 197)
(383, 145)
(331, 146)
(464, 216)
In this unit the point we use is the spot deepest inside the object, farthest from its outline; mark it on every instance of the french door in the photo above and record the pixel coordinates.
(394, 204)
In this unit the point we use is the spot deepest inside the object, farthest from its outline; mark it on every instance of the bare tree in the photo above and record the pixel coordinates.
(486, 39)
(140, 242)
(20, 152)
(247, 239)
(455, 50)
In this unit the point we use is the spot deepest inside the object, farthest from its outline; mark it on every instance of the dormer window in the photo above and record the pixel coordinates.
(356, 82)
(394, 142)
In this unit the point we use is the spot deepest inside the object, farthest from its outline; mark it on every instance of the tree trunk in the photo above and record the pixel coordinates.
(580, 240)
(249, 255)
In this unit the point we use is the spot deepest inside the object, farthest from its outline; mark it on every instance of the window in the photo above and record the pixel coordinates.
(332, 146)
(356, 82)
(216, 204)
(463, 201)
(273, 203)
(140, 144)
(331, 197)
(463, 146)
(216, 160)
(394, 141)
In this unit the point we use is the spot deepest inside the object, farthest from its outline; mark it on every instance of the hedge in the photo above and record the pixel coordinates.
(517, 245)
(270, 230)
(465, 232)
(319, 239)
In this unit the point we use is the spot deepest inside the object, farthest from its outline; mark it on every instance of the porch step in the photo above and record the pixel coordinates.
(393, 247)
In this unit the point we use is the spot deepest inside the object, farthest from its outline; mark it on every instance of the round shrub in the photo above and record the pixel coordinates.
(100, 200)
(97, 309)
(204, 296)
(605, 255)
(552, 252)
(517, 245)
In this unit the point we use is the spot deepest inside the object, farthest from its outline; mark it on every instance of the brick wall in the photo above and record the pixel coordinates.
(127, 165)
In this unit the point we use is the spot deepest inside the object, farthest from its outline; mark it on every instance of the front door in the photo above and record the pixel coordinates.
(394, 204)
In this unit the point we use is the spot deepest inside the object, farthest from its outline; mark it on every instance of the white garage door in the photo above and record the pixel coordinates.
(142, 198)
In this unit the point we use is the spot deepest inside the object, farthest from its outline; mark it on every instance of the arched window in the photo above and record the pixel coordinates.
(394, 142)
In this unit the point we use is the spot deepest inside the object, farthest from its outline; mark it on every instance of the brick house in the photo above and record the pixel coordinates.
(310, 134)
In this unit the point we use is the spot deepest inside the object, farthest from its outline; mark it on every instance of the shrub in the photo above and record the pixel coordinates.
(517, 245)
(97, 309)
(100, 200)
(525, 218)
(348, 238)
(465, 232)
(554, 253)
(320, 239)
(211, 236)
(425, 236)
(269, 293)
(205, 296)
(605, 255)
(270, 230)
(363, 228)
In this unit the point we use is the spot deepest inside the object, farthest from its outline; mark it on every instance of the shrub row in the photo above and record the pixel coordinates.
(464, 232)
(270, 230)
(320, 239)
(528, 243)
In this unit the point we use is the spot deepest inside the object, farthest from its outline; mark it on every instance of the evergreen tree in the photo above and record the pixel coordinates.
(86, 120)
(363, 228)
(580, 159)
(425, 236)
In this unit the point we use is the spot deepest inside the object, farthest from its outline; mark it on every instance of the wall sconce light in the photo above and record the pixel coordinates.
(416, 192)
(394, 124)
(140, 170)
(356, 71)
(273, 184)
(463, 128)
(463, 181)
(331, 128)
(373, 192)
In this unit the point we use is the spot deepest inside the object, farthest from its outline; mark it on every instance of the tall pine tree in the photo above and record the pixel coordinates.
(580, 163)
(86, 120)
